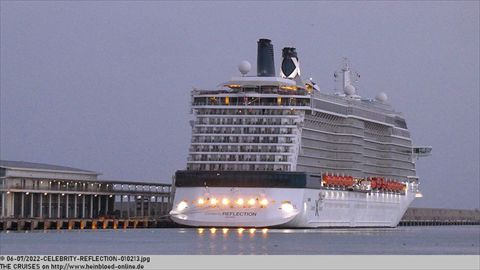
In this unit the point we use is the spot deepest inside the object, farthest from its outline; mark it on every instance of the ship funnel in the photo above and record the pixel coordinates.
(290, 66)
(265, 64)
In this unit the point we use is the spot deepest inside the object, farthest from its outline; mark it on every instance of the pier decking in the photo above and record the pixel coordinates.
(13, 224)
(440, 217)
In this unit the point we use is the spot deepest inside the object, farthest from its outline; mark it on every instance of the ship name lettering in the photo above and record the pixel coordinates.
(252, 214)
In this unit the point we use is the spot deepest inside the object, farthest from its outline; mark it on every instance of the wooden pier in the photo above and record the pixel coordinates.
(11, 224)
(440, 217)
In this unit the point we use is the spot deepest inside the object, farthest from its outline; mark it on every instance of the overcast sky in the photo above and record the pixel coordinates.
(105, 86)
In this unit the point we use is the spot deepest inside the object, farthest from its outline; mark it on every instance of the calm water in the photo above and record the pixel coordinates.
(402, 240)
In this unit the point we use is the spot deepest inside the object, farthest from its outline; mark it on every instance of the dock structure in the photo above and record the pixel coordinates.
(34, 196)
(440, 217)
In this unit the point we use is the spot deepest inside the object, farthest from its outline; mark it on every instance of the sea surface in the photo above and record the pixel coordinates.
(218, 241)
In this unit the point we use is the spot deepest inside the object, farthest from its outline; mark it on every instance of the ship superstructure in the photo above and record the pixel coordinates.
(277, 151)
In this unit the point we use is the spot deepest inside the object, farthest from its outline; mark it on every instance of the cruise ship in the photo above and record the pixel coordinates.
(277, 151)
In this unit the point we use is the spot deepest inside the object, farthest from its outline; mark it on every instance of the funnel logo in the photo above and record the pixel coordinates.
(290, 64)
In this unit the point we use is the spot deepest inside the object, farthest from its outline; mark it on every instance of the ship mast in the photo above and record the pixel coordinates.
(348, 78)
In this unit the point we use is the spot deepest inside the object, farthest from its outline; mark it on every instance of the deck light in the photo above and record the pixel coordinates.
(213, 201)
(287, 206)
(200, 201)
(264, 202)
(251, 202)
(225, 201)
(182, 205)
(240, 202)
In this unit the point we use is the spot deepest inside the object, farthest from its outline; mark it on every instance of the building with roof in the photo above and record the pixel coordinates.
(44, 191)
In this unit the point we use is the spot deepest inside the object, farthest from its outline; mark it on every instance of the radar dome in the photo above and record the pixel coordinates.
(244, 67)
(381, 97)
(349, 90)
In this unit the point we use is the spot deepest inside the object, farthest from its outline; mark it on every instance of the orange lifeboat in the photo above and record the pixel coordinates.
(383, 184)
(350, 181)
(373, 183)
(389, 185)
(394, 186)
(331, 180)
(378, 182)
(399, 186)
(341, 180)
(336, 180)
(326, 179)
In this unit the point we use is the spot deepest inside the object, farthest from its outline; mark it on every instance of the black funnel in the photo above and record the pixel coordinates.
(265, 64)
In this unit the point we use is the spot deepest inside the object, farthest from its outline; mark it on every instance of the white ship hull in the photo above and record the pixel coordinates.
(311, 208)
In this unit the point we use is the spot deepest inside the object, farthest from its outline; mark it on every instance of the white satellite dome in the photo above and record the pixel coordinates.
(381, 97)
(349, 90)
(244, 67)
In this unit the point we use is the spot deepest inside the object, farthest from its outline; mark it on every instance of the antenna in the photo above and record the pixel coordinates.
(347, 78)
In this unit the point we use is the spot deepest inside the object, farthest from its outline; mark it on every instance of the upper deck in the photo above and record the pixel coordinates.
(280, 93)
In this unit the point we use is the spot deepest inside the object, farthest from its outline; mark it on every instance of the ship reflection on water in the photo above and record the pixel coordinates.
(238, 232)
(248, 240)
